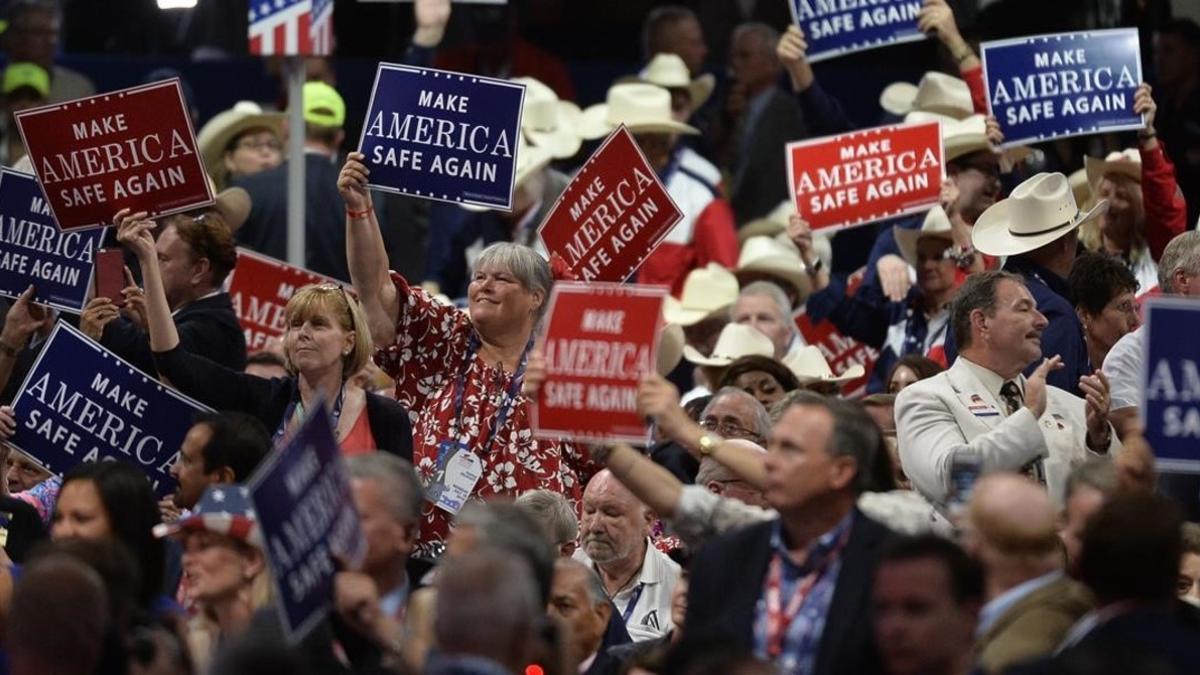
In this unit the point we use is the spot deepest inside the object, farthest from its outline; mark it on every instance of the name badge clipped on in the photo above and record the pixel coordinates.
(456, 480)
(978, 406)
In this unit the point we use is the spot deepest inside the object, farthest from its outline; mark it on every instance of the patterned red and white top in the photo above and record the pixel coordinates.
(432, 343)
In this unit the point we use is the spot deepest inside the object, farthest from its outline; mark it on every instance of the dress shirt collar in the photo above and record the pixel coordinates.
(990, 379)
(997, 606)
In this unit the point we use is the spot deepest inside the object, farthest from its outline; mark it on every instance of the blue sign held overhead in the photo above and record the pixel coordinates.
(34, 251)
(442, 135)
(836, 27)
(1071, 84)
(1171, 382)
(82, 403)
(306, 511)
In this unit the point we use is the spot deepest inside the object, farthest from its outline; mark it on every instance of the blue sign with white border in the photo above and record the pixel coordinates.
(442, 135)
(82, 403)
(1171, 382)
(834, 28)
(1070, 84)
(306, 511)
(34, 251)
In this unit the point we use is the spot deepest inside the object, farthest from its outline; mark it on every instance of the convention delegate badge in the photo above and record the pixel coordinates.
(1056, 86)
(864, 176)
(259, 288)
(600, 339)
(837, 27)
(133, 148)
(34, 251)
(82, 403)
(1171, 382)
(458, 471)
(441, 135)
(305, 507)
(612, 215)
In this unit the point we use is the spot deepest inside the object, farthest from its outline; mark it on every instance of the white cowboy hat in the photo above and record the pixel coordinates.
(530, 160)
(706, 291)
(547, 122)
(959, 136)
(1039, 211)
(641, 107)
(809, 366)
(670, 348)
(1126, 163)
(670, 72)
(937, 224)
(736, 340)
(1080, 186)
(769, 225)
(227, 125)
(767, 255)
(936, 93)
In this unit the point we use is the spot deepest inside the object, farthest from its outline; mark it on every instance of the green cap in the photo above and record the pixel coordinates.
(323, 106)
(26, 74)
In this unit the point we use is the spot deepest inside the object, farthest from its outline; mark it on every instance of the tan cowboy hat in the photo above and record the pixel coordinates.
(936, 93)
(547, 122)
(227, 125)
(1080, 186)
(937, 224)
(670, 348)
(670, 72)
(809, 366)
(769, 225)
(736, 340)
(706, 291)
(641, 107)
(1039, 211)
(233, 204)
(959, 136)
(767, 255)
(1126, 163)
(530, 160)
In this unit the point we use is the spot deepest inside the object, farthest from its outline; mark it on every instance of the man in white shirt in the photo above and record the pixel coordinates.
(637, 577)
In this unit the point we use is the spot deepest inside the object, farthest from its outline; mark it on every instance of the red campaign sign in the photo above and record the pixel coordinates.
(260, 288)
(864, 176)
(599, 339)
(612, 215)
(133, 148)
(840, 352)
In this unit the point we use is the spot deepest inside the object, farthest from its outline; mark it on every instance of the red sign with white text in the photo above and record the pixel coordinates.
(133, 148)
(864, 176)
(260, 288)
(599, 339)
(612, 215)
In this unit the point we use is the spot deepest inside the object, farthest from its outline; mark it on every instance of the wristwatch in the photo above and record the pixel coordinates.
(814, 268)
(708, 443)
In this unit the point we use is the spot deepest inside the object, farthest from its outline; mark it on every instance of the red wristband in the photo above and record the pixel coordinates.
(359, 214)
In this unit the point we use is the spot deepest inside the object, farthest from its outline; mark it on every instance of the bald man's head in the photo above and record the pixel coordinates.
(615, 524)
(1013, 516)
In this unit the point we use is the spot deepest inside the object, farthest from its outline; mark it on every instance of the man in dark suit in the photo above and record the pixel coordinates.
(579, 600)
(265, 230)
(797, 589)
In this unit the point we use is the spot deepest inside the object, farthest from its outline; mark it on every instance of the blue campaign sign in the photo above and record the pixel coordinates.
(1070, 84)
(34, 251)
(1171, 382)
(443, 135)
(306, 510)
(82, 403)
(836, 27)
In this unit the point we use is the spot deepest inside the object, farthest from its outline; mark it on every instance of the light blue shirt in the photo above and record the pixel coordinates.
(1000, 604)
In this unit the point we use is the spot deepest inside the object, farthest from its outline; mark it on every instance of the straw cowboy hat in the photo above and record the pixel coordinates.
(641, 107)
(767, 255)
(548, 122)
(670, 348)
(736, 340)
(670, 72)
(936, 93)
(706, 291)
(1126, 163)
(937, 224)
(227, 125)
(1080, 186)
(1039, 211)
(809, 366)
(773, 223)
(233, 204)
(959, 136)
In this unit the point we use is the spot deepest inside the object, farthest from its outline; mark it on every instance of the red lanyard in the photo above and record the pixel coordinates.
(780, 618)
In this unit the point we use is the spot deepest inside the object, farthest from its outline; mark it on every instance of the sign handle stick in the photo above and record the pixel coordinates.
(294, 67)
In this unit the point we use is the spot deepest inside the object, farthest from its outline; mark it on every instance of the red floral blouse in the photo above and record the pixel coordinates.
(432, 343)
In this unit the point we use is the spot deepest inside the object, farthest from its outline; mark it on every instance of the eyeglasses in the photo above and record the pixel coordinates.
(729, 429)
(250, 144)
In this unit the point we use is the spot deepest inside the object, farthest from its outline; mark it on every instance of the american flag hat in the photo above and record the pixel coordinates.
(223, 509)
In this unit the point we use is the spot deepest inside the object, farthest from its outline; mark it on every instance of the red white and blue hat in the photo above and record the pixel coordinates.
(223, 509)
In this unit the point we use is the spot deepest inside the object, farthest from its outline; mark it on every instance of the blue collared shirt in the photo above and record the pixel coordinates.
(799, 655)
(997, 606)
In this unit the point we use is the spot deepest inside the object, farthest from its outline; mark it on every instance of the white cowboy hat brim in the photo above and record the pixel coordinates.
(594, 124)
(564, 140)
(1096, 169)
(898, 97)
(213, 137)
(674, 312)
(670, 349)
(907, 238)
(692, 355)
(852, 373)
(701, 89)
(782, 270)
(536, 159)
(991, 234)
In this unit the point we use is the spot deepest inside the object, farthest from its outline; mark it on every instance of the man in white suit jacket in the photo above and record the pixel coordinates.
(984, 410)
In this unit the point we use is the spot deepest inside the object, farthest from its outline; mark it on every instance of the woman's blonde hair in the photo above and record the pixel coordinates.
(333, 300)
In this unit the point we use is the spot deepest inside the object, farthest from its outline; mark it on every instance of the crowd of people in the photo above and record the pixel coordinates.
(970, 493)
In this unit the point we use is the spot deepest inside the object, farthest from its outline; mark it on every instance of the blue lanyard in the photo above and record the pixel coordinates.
(291, 410)
(633, 601)
(510, 396)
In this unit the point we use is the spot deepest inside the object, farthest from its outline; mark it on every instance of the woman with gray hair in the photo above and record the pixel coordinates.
(460, 372)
